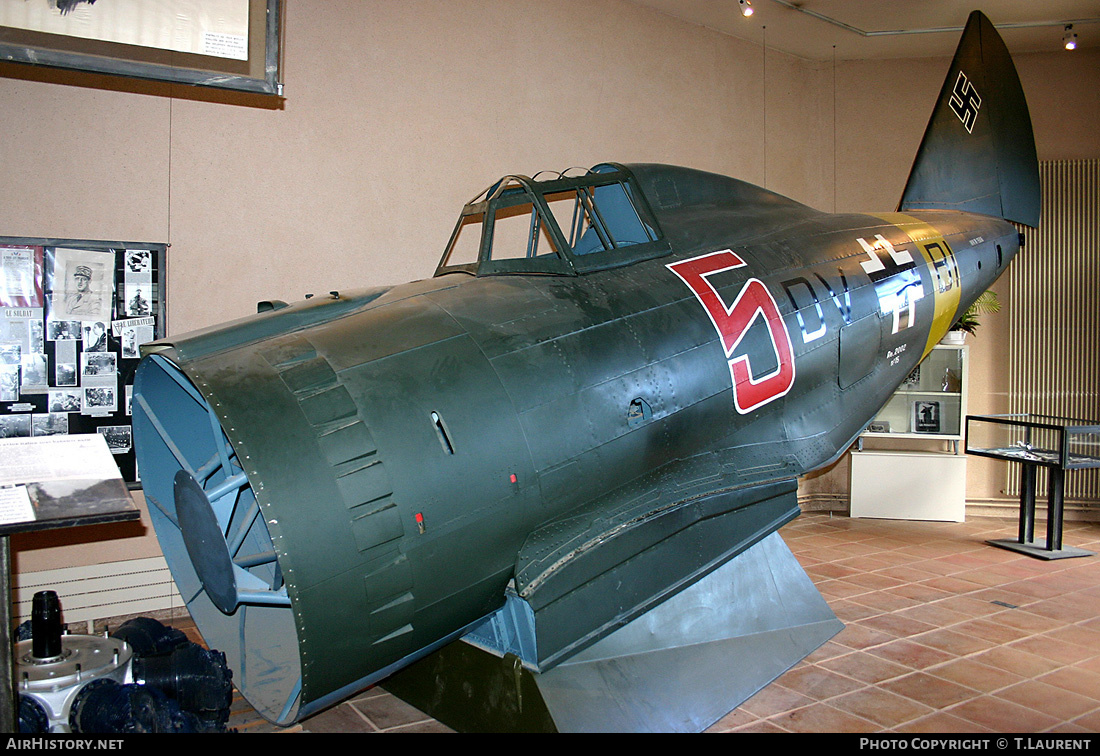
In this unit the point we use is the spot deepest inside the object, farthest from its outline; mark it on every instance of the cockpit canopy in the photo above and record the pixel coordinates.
(560, 224)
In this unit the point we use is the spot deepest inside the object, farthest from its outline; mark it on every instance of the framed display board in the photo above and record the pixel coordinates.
(228, 44)
(72, 316)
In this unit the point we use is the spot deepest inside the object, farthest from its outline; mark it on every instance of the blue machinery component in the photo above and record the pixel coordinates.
(216, 542)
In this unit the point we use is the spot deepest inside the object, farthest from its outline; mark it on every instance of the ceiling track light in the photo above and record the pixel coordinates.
(1069, 39)
(746, 7)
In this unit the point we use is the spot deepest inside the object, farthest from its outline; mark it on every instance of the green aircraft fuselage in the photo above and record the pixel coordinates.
(608, 390)
(418, 447)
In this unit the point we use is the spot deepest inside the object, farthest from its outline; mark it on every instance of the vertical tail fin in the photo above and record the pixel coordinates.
(978, 152)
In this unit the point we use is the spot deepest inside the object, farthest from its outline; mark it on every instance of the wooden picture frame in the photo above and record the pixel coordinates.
(185, 47)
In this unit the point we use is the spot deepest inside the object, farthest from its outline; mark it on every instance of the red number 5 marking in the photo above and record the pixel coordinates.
(732, 323)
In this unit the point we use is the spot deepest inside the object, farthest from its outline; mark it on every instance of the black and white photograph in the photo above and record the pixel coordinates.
(63, 330)
(130, 344)
(119, 437)
(138, 300)
(99, 363)
(926, 417)
(49, 424)
(9, 382)
(65, 400)
(35, 374)
(36, 334)
(65, 374)
(10, 361)
(15, 426)
(138, 261)
(10, 354)
(132, 338)
(98, 400)
(95, 336)
(83, 284)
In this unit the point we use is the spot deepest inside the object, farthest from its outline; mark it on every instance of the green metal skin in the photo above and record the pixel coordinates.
(579, 431)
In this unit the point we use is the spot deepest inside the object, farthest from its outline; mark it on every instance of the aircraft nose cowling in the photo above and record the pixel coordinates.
(249, 493)
(301, 484)
(205, 502)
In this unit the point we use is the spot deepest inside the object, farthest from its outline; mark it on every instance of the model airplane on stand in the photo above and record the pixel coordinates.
(607, 391)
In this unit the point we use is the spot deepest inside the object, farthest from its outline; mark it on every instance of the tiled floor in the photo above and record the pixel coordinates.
(943, 633)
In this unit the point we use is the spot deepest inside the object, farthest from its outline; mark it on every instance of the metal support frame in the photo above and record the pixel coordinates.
(678, 668)
(1025, 542)
(1041, 441)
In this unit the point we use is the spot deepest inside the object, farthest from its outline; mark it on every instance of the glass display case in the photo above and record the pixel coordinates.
(1056, 443)
(1039, 439)
(931, 403)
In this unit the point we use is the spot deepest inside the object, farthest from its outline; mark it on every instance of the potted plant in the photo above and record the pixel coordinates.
(969, 321)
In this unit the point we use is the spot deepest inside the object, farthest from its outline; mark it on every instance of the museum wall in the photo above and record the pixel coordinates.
(396, 112)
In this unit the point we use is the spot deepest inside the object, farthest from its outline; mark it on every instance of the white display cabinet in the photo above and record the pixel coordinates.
(908, 485)
(931, 404)
(917, 483)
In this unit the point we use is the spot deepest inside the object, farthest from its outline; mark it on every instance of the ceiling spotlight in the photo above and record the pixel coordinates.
(746, 7)
(1069, 39)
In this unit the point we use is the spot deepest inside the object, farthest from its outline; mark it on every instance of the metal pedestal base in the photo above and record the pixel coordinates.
(678, 668)
(1040, 550)
(1025, 543)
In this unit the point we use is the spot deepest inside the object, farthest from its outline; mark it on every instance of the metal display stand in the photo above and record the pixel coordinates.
(678, 668)
(1058, 444)
(56, 500)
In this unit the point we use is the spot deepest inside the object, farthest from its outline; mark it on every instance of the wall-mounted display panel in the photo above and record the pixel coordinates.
(227, 44)
(73, 314)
